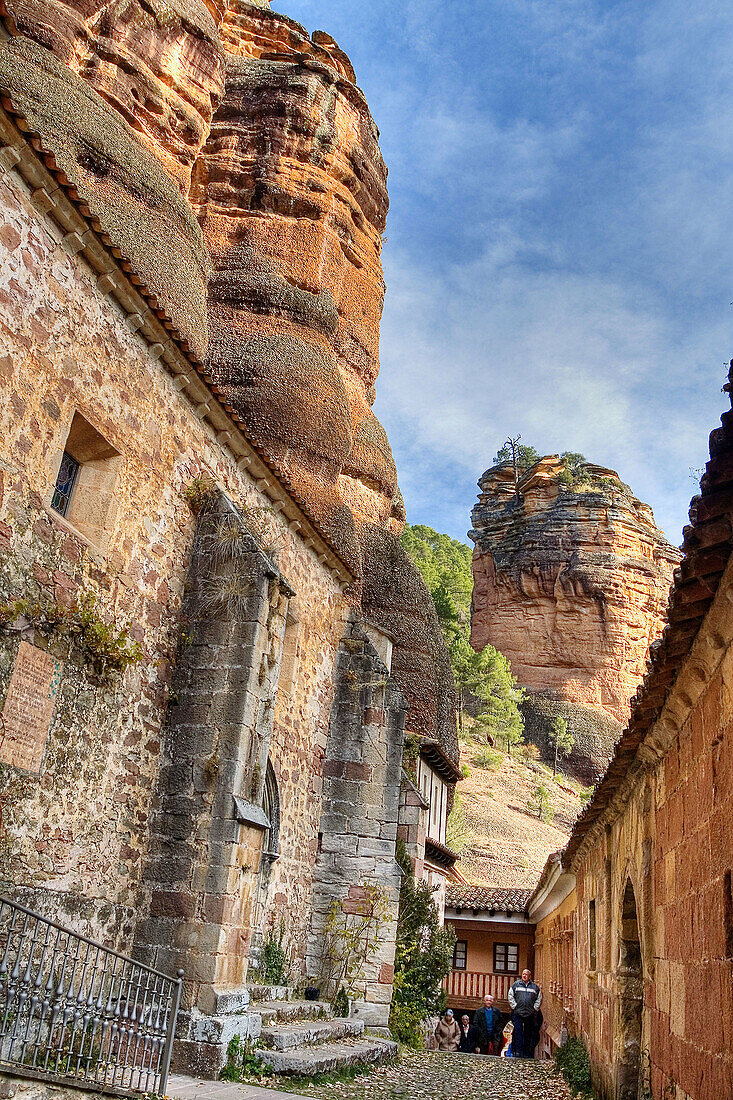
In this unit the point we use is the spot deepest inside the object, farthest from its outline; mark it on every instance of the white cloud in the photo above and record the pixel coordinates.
(572, 361)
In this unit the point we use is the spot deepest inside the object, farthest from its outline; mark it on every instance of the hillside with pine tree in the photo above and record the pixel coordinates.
(506, 785)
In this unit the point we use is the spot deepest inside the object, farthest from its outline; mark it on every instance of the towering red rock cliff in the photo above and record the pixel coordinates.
(571, 583)
(291, 194)
(171, 117)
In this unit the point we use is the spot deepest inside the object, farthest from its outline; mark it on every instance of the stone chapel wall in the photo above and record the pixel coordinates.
(669, 851)
(75, 836)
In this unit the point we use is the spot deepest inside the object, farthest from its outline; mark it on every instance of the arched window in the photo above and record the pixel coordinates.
(630, 978)
(271, 806)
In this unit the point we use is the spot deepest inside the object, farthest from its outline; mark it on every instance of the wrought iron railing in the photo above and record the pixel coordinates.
(71, 1008)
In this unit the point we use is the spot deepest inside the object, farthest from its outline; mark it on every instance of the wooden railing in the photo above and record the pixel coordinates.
(469, 985)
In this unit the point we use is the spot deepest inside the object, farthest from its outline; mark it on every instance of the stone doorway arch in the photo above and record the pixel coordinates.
(630, 978)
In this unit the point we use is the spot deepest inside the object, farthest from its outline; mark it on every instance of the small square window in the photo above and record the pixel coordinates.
(506, 958)
(460, 952)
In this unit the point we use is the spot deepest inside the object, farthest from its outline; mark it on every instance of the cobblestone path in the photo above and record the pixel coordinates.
(430, 1076)
(416, 1076)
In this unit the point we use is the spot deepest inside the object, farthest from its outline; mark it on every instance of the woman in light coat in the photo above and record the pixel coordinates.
(448, 1033)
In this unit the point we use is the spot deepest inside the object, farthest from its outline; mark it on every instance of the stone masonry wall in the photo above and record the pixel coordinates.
(74, 839)
(358, 827)
(670, 852)
(18, 1088)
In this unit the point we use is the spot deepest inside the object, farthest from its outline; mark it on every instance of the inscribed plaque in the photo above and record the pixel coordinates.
(29, 707)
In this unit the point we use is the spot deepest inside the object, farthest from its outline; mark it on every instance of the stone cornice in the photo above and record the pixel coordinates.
(554, 887)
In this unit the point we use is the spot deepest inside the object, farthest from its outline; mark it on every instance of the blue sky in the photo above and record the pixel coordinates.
(558, 260)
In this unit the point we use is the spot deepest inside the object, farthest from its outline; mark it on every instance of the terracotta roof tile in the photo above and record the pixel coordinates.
(486, 897)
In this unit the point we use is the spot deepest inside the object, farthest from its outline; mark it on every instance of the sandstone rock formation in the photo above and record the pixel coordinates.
(291, 194)
(571, 583)
(233, 159)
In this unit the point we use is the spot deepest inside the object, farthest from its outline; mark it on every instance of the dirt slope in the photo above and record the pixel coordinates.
(506, 844)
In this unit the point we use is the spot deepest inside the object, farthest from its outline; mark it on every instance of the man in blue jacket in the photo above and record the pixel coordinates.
(525, 998)
(487, 1027)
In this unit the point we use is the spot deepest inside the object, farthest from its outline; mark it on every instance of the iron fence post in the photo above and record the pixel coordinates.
(170, 1035)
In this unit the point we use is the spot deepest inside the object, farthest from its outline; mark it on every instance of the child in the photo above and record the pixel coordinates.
(506, 1050)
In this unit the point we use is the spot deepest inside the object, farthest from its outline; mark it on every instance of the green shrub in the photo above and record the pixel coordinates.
(108, 648)
(423, 955)
(340, 1003)
(405, 1023)
(539, 803)
(487, 758)
(274, 959)
(573, 1062)
(243, 1061)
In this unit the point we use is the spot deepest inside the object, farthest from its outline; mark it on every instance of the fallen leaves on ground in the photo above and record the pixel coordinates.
(434, 1076)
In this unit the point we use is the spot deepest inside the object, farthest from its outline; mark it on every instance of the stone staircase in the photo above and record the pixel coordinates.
(304, 1037)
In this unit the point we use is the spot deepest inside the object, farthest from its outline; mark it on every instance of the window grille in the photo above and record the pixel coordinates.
(72, 1009)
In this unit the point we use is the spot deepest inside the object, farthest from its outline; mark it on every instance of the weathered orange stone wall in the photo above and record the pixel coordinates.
(673, 841)
(75, 838)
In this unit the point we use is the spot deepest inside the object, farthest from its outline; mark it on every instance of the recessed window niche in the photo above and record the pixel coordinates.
(84, 489)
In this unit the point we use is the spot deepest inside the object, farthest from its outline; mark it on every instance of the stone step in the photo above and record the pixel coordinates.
(275, 1012)
(269, 993)
(329, 1056)
(292, 1036)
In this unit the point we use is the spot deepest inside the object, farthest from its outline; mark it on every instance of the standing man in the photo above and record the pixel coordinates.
(486, 1027)
(525, 998)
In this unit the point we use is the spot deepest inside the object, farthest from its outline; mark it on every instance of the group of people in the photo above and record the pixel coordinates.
(489, 1032)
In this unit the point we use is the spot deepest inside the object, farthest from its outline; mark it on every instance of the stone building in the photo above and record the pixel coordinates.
(634, 919)
(571, 576)
(210, 637)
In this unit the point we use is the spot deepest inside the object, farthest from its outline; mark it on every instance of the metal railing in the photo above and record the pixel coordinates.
(472, 985)
(71, 1008)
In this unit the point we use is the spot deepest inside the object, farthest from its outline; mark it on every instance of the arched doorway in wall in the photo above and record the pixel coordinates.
(630, 978)
(270, 854)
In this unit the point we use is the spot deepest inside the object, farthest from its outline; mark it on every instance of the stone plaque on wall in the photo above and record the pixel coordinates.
(29, 707)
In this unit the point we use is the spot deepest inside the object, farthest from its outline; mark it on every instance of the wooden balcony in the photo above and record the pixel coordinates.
(467, 988)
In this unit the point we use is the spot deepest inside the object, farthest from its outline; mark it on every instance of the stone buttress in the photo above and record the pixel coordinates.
(208, 824)
(358, 831)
